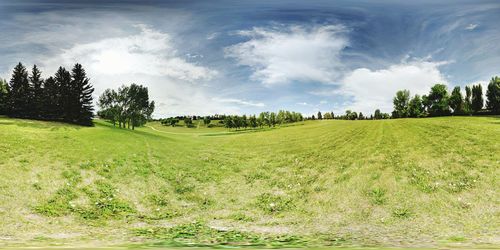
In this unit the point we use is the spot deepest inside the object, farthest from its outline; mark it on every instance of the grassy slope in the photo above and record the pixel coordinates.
(390, 182)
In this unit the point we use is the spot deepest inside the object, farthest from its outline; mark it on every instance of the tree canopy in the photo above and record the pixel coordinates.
(129, 106)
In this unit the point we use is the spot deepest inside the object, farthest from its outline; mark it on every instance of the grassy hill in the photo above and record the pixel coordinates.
(406, 182)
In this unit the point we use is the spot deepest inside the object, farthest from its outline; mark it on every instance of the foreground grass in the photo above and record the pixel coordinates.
(408, 182)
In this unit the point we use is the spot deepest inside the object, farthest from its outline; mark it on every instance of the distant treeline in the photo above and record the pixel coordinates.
(269, 119)
(67, 96)
(350, 115)
(437, 103)
(129, 106)
(440, 103)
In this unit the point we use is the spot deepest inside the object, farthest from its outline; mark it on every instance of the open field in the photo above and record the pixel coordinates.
(405, 182)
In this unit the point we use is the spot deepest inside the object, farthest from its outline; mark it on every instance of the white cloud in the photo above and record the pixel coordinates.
(284, 54)
(240, 102)
(372, 89)
(471, 26)
(146, 57)
(149, 52)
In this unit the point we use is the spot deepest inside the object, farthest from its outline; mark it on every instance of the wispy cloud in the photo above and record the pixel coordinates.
(239, 102)
(284, 54)
(471, 26)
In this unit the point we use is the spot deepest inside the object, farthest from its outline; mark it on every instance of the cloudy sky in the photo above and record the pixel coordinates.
(237, 57)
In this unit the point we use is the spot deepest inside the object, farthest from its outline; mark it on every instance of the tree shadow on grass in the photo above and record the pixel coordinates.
(28, 123)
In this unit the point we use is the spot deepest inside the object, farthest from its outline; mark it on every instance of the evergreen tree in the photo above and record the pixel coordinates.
(456, 101)
(81, 91)
(67, 94)
(319, 115)
(51, 99)
(477, 98)
(493, 95)
(36, 100)
(19, 92)
(4, 97)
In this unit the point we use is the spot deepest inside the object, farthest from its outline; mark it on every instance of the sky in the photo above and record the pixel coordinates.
(244, 57)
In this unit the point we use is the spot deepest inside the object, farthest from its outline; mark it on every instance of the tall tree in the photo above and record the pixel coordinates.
(140, 109)
(438, 100)
(51, 95)
(477, 98)
(129, 106)
(457, 101)
(400, 102)
(109, 107)
(319, 115)
(81, 102)
(378, 114)
(468, 101)
(19, 92)
(493, 95)
(63, 81)
(36, 102)
(4, 96)
(415, 107)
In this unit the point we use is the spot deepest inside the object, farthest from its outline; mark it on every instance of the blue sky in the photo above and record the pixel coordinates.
(205, 57)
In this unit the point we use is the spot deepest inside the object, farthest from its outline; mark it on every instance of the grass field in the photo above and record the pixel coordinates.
(407, 182)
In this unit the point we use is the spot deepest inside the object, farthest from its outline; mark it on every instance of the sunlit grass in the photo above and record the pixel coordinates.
(408, 182)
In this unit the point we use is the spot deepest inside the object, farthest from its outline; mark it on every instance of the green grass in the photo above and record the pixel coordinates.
(406, 182)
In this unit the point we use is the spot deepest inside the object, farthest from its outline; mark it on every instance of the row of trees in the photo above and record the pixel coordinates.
(350, 115)
(129, 106)
(269, 119)
(67, 96)
(440, 103)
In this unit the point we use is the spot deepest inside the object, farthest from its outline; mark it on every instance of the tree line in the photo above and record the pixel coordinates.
(270, 119)
(129, 106)
(350, 115)
(441, 103)
(66, 96)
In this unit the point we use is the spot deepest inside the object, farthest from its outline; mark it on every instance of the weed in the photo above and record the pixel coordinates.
(273, 203)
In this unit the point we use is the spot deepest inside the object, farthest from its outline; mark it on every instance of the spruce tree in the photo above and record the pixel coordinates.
(81, 96)
(51, 99)
(36, 100)
(63, 81)
(19, 92)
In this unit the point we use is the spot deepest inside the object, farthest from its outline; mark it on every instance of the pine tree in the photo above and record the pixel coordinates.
(80, 104)
(63, 81)
(36, 100)
(51, 99)
(19, 92)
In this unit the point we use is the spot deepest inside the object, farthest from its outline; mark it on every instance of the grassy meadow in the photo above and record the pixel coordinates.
(405, 182)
